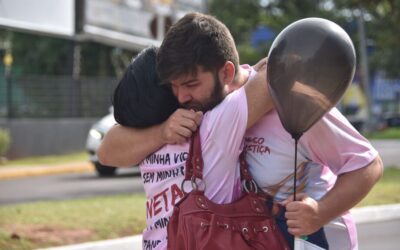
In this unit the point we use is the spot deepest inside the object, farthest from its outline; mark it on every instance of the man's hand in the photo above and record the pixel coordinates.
(180, 126)
(302, 215)
(260, 65)
(306, 216)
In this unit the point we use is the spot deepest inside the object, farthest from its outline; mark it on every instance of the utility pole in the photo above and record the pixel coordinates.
(368, 126)
(8, 61)
(76, 73)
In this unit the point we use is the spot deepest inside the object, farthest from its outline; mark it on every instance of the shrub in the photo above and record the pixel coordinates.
(4, 141)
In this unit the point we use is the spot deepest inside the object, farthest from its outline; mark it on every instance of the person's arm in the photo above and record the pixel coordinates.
(307, 215)
(259, 100)
(125, 146)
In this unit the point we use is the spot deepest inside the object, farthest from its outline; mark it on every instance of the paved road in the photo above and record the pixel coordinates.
(379, 235)
(67, 186)
(389, 151)
(79, 185)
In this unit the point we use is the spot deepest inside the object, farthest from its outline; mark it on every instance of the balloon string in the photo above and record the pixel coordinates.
(296, 140)
(296, 137)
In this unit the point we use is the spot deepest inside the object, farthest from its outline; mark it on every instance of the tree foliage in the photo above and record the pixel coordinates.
(44, 55)
(381, 23)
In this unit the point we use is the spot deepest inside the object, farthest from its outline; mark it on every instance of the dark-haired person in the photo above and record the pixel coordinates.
(334, 158)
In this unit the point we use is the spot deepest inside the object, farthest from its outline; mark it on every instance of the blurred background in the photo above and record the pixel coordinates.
(60, 60)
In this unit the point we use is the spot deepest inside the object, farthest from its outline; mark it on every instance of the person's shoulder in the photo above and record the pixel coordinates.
(336, 117)
(235, 98)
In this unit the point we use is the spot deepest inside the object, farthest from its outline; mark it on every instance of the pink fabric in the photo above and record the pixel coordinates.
(331, 147)
(222, 131)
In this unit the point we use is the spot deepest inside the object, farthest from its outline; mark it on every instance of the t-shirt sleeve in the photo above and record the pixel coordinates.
(226, 124)
(334, 142)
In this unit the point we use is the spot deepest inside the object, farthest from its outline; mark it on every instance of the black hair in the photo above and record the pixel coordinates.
(139, 99)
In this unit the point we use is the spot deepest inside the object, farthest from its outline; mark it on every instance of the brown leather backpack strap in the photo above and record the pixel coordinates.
(188, 164)
(244, 169)
(197, 158)
(194, 162)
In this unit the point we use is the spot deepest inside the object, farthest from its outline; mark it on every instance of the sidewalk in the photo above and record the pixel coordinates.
(12, 172)
(126, 243)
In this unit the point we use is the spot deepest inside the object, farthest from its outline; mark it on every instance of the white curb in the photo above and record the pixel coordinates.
(372, 214)
(126, 243)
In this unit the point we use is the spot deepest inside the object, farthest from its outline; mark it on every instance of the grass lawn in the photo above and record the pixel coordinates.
(44, 224)
(388, 133)
(386, 191)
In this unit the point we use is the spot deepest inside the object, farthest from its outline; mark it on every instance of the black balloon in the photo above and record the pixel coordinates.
(310, 65)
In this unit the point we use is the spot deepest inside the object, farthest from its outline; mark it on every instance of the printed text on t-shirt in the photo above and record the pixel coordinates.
(150, 177)
(255, 145)
(165, 159)
(159, 202)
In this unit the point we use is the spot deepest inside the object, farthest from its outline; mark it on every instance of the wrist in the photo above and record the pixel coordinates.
(159, 133)
(324, 213)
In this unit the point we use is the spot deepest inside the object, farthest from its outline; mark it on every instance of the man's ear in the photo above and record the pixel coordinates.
(227, 73)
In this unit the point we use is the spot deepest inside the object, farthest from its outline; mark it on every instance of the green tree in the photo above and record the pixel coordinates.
(44, 55)
(242, 17)
(35, 54)
(382, 24)
(382, 29)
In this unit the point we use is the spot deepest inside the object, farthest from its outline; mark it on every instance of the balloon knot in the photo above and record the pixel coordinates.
(296, 136)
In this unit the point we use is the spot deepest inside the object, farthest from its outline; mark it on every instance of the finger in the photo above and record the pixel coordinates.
(189, 114)
(259, 64)
(263, 66)
(301, 196)
(291, 215)
(297, 232)
(174, 133)
(199, 117)
(183, 131)
(180, 139)
(196, 117)
(293, 223)
(293, 206)
(289, 199)
(295, 228)
(188, 123)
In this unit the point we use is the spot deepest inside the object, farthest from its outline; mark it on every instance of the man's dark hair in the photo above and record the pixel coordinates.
(195, 40)
(139, 99)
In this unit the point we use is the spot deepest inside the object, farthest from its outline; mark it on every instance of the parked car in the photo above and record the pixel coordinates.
(95, 136)
(392, 119)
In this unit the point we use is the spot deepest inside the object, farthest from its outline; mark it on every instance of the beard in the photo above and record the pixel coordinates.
(216, 98)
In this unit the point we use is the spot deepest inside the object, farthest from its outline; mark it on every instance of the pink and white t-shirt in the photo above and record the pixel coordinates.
(331, 147)
(221, 134)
